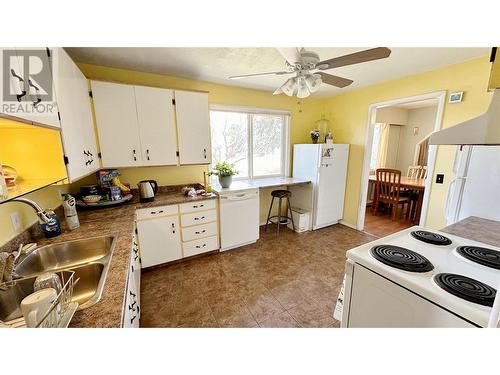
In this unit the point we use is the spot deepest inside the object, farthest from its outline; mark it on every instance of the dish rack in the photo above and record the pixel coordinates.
(62, 309)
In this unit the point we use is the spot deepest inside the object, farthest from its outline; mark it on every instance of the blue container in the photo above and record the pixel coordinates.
(51, 230)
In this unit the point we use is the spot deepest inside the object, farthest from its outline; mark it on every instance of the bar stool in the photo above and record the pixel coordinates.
(280, 194)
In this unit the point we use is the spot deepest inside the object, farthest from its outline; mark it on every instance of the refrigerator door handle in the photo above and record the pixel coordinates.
(448, 197)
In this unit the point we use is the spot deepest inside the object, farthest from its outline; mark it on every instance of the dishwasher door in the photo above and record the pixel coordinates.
(239, 218)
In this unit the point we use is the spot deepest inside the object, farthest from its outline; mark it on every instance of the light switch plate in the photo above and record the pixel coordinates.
(16, 222)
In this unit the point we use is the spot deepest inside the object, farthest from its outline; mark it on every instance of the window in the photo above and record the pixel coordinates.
(255, 142)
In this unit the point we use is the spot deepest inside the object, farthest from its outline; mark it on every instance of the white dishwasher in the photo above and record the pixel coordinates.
(239, 218)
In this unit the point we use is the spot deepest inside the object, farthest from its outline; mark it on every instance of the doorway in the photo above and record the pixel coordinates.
(397, 138)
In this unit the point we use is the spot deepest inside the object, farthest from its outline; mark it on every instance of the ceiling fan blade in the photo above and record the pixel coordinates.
(291, 54)
(334, 80)
(259, 75)
(355, 58)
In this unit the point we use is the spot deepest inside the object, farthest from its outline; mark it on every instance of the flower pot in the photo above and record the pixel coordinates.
(225, 181)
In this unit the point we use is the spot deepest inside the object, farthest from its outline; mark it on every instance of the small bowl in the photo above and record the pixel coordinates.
(91, 198)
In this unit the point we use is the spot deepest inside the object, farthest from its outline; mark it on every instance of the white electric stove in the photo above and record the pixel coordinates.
(420, 278)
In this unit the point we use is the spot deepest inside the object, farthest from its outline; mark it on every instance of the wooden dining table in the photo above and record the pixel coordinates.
(415, 184)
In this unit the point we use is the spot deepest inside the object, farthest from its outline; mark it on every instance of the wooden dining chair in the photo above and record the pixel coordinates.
(387, 190)
(423, 172)
(414, 171)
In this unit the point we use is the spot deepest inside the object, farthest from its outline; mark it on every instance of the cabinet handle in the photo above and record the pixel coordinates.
(205, 153)
(173, 228)
(132, 294)
(203, 231)
(135, 158)
(200, 206)
(199, 247)
(147, 154)
(199, 218)
(132, 320)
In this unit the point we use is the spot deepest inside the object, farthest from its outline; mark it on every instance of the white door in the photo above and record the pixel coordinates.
(117, 126)
(156, 125)
(193, 125)
(77, 127)
(160, 240)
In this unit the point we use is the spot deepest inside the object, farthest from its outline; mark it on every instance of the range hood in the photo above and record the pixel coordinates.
(482, 130)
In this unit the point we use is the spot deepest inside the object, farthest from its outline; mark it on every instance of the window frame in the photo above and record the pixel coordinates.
(285, 138)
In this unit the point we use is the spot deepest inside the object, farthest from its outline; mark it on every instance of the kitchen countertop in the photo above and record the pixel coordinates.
(117, 221)
(258, 183)
(476, 229)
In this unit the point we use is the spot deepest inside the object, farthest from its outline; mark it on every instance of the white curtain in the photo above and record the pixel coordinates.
(383, 145)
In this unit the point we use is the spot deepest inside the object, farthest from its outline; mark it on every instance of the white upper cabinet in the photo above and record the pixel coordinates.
(117, 124)
(77, 129)
(193, 126)
(155, 116)
(31, 83)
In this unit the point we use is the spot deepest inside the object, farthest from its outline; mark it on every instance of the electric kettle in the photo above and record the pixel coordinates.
(147, 190)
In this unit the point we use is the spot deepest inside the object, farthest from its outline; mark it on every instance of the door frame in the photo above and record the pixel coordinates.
(431, 161)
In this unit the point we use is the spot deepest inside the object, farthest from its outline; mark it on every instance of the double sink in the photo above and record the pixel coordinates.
(89, 258)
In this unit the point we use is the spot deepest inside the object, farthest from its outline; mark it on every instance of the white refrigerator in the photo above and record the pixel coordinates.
(325, 165)
(475, 188)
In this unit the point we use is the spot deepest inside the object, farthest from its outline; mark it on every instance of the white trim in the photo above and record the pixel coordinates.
(441, 97)
(245, 109)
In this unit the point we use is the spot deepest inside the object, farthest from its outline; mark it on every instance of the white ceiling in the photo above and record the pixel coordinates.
(216, 64)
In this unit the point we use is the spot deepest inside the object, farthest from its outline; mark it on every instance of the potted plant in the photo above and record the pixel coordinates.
(225, 172)
(314, 135)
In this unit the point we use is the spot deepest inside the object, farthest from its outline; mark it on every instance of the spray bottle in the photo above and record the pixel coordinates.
(69, 205)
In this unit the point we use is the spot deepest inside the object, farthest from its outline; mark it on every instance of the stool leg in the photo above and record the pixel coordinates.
(279, 215)
(291, 214)
(269, 213)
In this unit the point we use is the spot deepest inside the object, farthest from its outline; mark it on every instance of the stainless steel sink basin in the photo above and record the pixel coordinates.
(65, 255)
(88, 258)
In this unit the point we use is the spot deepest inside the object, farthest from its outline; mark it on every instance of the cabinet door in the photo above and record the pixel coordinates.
(156, 125)
(116, 119)
(160, 240)
(193, 125)
(77, 127)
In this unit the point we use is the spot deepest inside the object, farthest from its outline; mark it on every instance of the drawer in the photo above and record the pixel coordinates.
(200, 246)
(197, 218)
(150, 213)
(197, 206)
(199, 231)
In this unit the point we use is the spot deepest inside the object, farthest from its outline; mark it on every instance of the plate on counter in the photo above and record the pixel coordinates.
(103, 203)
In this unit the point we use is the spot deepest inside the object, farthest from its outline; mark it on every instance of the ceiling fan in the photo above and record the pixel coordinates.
(309, 72)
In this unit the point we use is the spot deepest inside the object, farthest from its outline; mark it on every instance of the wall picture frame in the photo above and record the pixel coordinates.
(456, 97)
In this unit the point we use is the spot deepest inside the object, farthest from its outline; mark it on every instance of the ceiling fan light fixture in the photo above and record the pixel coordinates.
(289, 87)
(302, 89)
(313, 82)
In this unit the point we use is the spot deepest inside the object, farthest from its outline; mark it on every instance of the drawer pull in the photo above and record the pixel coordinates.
(203, 231)
(200, 206)
(173, 228)
(199, 218)
(201, 246)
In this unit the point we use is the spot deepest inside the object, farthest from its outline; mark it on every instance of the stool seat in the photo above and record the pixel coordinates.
(281, 193)
(280, 219)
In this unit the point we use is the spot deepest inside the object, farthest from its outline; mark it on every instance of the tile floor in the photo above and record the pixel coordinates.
(290, 280)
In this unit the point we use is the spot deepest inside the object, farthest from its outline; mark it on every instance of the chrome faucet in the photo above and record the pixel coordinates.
(40, 212)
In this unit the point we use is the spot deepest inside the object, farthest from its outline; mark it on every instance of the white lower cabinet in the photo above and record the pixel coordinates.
(160, 240)
(131, 308)
(159, 231)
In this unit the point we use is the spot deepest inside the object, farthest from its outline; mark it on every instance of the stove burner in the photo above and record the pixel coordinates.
(429, 237)
(399, 257)
(466, 288)
(481, 255)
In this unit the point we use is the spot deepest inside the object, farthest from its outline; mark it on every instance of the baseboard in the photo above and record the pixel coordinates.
(343, 222)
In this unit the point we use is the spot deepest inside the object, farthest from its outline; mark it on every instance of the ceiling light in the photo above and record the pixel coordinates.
(302, 89)
(289, 87)
(313, 82)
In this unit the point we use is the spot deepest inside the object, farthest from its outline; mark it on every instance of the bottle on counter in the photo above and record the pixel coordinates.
(70, 212)
(51, 230)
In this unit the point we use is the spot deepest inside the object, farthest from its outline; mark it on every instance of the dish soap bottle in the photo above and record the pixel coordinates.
(69, 205)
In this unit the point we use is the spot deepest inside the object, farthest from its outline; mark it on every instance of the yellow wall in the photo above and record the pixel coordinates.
(349, 115)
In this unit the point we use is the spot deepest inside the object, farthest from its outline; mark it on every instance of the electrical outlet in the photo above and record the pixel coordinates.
(16, 222)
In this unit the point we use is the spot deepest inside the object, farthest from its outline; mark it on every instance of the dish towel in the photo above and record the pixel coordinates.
(339, 307)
